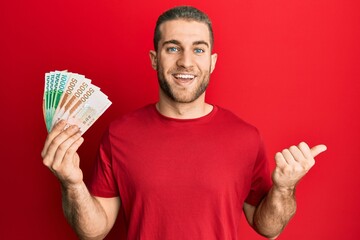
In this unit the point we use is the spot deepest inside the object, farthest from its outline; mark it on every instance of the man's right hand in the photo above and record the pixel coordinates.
(91, 217)
(60, 156)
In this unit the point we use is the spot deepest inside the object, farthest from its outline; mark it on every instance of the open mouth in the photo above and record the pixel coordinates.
(184, 79)
(181, 76)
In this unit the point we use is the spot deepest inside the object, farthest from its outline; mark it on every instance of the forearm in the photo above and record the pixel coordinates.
(84, 213)
(274, 212)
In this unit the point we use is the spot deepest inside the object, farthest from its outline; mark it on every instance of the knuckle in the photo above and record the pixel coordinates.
(293, 148)
(59, 126)
(50, 136)
(311, 163)
(62, 148)
(287, 170)
(307, 165)
(285, 151)
(302, 168)
(55, 167)
(278, 155)
(57, 141)
(46, 161)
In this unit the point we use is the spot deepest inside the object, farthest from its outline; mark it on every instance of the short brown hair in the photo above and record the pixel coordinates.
(182, 12)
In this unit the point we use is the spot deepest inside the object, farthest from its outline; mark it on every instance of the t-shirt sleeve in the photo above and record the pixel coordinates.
(102, 182)
(261, 180)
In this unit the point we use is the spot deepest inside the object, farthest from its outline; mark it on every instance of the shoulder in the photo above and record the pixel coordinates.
(230, 118)
(135, 115)
(236, 128)
(133, 119)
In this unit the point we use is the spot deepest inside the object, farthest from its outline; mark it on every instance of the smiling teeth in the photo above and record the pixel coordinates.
(184, 76)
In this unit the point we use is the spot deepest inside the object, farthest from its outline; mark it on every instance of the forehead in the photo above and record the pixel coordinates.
(184, 30)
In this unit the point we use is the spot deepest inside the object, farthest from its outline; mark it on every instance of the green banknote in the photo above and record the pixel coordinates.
(72, 97)
(60, 88)
(49, 83)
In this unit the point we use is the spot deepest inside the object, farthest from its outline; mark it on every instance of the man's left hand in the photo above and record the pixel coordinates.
(293, 163)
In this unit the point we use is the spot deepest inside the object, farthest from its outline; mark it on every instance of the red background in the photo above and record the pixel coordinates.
(289, 67)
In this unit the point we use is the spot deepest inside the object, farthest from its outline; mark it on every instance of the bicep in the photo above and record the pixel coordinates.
(111, 207)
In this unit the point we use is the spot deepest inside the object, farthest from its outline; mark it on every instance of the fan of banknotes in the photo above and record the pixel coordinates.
(72, 97)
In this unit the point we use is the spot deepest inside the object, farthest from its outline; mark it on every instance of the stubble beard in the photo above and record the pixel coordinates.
(183, 96)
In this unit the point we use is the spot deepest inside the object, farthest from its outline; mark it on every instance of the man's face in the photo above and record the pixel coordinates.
(183, 60)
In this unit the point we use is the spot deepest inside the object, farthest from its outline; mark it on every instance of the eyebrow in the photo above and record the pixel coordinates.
(176, 42)
(173, 41)
(201, 42)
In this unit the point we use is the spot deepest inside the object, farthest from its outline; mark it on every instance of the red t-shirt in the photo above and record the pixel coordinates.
(181, 179)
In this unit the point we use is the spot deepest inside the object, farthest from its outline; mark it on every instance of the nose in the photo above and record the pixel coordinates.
(185, 59)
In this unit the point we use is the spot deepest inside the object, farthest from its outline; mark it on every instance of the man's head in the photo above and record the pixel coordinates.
(183, 55)
(185, 13)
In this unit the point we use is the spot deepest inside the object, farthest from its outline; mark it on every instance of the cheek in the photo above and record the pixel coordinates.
(205, 66)
(166, 64)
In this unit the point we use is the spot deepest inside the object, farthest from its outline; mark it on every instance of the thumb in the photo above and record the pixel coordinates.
(318, 149)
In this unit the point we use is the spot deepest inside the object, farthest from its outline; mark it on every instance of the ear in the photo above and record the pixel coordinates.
(213, 62)
(153, 59)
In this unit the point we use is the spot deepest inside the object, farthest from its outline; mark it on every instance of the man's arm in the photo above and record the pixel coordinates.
(91, 217)
(273, 213)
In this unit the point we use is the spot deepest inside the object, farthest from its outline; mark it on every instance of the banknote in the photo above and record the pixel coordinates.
(46, 101)
(76, 101)
(76, 86)
(49, 83)
(89, 111)
(72, 97)
(61, 78)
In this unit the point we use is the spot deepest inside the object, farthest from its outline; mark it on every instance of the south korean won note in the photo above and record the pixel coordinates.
(72, 97)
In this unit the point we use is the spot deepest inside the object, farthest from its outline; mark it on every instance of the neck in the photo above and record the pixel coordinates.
(195, 109)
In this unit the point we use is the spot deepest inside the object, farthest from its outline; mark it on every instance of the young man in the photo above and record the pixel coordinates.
(180, 168)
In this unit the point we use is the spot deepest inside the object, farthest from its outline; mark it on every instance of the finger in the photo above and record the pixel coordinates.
(63, 148)
(55, 143)
(280, 160)
(297, 154)
(318, 149)
(313, 152)
(69, 155)
(57, 129)
(288, 156)
(305, 149)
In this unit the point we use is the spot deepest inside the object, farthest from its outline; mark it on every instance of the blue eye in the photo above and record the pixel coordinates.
(199, 50)
(172, 49)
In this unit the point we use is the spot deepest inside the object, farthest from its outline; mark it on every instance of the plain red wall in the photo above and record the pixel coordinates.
(289, 67)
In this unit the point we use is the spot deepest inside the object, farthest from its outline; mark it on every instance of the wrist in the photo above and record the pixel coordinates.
(72, 187)
(284, 191)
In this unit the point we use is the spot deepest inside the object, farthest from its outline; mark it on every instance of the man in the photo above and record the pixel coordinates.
(180, 168)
